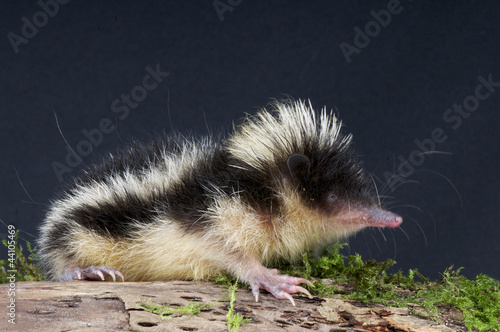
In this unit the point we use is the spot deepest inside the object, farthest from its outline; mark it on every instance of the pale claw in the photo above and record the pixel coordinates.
(112, 274)
(255, 292)
(288, 296)
(118, 273)
(305, 281)
(303, 290)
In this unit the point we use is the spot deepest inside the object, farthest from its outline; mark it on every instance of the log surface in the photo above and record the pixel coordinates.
(108, 306)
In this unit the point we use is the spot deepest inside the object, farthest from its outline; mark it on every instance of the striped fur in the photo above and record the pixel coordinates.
(181, 208)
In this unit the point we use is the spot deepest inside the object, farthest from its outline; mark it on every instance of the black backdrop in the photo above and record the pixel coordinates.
(405, 77)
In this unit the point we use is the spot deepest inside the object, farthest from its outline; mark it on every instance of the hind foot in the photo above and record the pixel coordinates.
(280, 285)
(92, 273)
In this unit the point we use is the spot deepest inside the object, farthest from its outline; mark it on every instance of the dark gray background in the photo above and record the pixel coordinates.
(393, 92)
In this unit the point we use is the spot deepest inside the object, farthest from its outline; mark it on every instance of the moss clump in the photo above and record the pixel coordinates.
(26, 268)
(166, 312)
(478, 299)
(370, 282)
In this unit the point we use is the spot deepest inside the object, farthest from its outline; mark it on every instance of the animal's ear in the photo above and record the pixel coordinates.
(298, 165)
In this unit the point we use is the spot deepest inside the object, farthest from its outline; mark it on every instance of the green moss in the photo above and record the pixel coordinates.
(224, 279)
(166, 312)
(234, 320)
(370, 282)
(478, 299)
(26, 268)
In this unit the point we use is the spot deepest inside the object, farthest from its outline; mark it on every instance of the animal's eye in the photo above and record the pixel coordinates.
(333, 198)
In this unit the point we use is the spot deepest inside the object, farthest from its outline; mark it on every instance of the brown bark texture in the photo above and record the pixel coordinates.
(115, 306)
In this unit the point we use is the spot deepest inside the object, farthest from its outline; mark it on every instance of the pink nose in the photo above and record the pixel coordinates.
(395, 222)
(378, 217)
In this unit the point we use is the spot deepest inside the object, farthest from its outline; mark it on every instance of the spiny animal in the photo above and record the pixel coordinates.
(284, 182)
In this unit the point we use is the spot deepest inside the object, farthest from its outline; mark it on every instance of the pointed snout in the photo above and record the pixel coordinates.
(378, 217)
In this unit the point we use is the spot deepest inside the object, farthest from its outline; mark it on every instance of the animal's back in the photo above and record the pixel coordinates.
(134, 212)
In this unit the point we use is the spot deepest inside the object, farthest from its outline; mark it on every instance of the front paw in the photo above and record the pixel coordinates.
(90, 273)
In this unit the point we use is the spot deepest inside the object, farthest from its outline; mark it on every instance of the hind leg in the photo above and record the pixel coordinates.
(93, 273)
